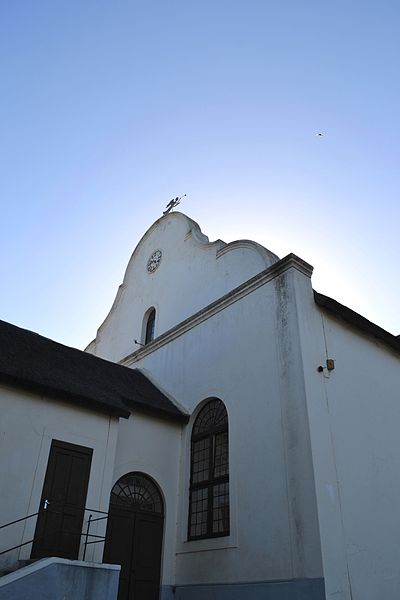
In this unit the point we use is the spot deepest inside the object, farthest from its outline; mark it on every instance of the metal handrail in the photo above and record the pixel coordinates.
(87, 534)
(103, 512)
(15, 547)
(19, 520)
(102, 538)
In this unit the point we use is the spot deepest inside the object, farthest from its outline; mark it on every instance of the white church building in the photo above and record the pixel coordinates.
(230, 434)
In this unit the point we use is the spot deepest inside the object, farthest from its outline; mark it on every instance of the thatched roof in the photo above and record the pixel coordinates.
(37, 363)
(358, 321)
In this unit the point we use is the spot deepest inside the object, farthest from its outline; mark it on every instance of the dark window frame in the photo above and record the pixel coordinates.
(150, 326)
(211, 483)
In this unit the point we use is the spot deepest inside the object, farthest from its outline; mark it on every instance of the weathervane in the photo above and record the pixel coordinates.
(172, 204)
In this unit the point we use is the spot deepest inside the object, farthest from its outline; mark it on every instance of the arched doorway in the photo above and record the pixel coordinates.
(134, 536)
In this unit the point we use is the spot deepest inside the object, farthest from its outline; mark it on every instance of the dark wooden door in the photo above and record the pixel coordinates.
(146, 557)
(118, 546)
(134, 537)
(61, 512)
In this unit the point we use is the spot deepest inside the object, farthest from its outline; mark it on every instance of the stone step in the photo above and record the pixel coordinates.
(5, 572)
(18, 565)
(25, 562)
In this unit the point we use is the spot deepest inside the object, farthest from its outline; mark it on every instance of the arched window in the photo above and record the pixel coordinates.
(149, 332)
(209, 473)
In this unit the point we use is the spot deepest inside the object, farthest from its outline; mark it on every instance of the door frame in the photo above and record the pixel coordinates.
(134, 513)
(67, 446)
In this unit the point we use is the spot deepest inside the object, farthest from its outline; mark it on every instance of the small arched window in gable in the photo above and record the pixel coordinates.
(209, 473)
(150, 324)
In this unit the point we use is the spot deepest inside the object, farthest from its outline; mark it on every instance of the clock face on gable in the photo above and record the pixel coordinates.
(154, 261)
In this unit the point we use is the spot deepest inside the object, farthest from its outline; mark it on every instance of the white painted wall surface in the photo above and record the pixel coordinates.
(29, 423)
(363, 399)
(192, 274)
(354, 412)
(247, 353)
(295, 433)
(236, 355)
(152, 446)
(313, 353)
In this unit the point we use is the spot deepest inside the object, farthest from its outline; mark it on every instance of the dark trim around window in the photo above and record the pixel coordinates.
(209, 473)
(150, 325)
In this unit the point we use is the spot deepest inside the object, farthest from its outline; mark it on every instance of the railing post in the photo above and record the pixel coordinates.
(87, 536)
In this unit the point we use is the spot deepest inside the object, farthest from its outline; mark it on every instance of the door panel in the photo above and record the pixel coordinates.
(134, 536)
(146, 559)
(61, 512)
(118, 546)
(134, 541)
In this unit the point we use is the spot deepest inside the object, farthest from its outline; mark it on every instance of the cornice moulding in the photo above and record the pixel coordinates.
(291, 261)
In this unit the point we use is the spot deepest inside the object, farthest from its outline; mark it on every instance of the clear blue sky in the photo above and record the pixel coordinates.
(109, 109)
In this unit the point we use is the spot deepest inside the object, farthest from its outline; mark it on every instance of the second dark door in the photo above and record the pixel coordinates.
(62, 505)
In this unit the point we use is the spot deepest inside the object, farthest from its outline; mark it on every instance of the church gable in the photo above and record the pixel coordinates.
(174, 272)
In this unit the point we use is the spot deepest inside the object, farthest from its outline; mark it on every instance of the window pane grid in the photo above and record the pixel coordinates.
(199, 511)
(213, 416)
(209, 483)
(201, 460)
(221, 466)
(220, 515)
(138, 491)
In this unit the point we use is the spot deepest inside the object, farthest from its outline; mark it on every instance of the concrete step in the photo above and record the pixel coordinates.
(25, 562)
(5, 572)
(19, 565)
(51, 578)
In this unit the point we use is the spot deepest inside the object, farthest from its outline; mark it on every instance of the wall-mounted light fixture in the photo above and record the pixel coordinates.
(330, 365)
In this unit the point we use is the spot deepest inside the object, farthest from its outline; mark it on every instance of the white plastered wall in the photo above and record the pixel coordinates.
(235, 355)
(363, 397)
(180, 286)
(354, 412)
(29, 423)
(247, 353)
(152, 446)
